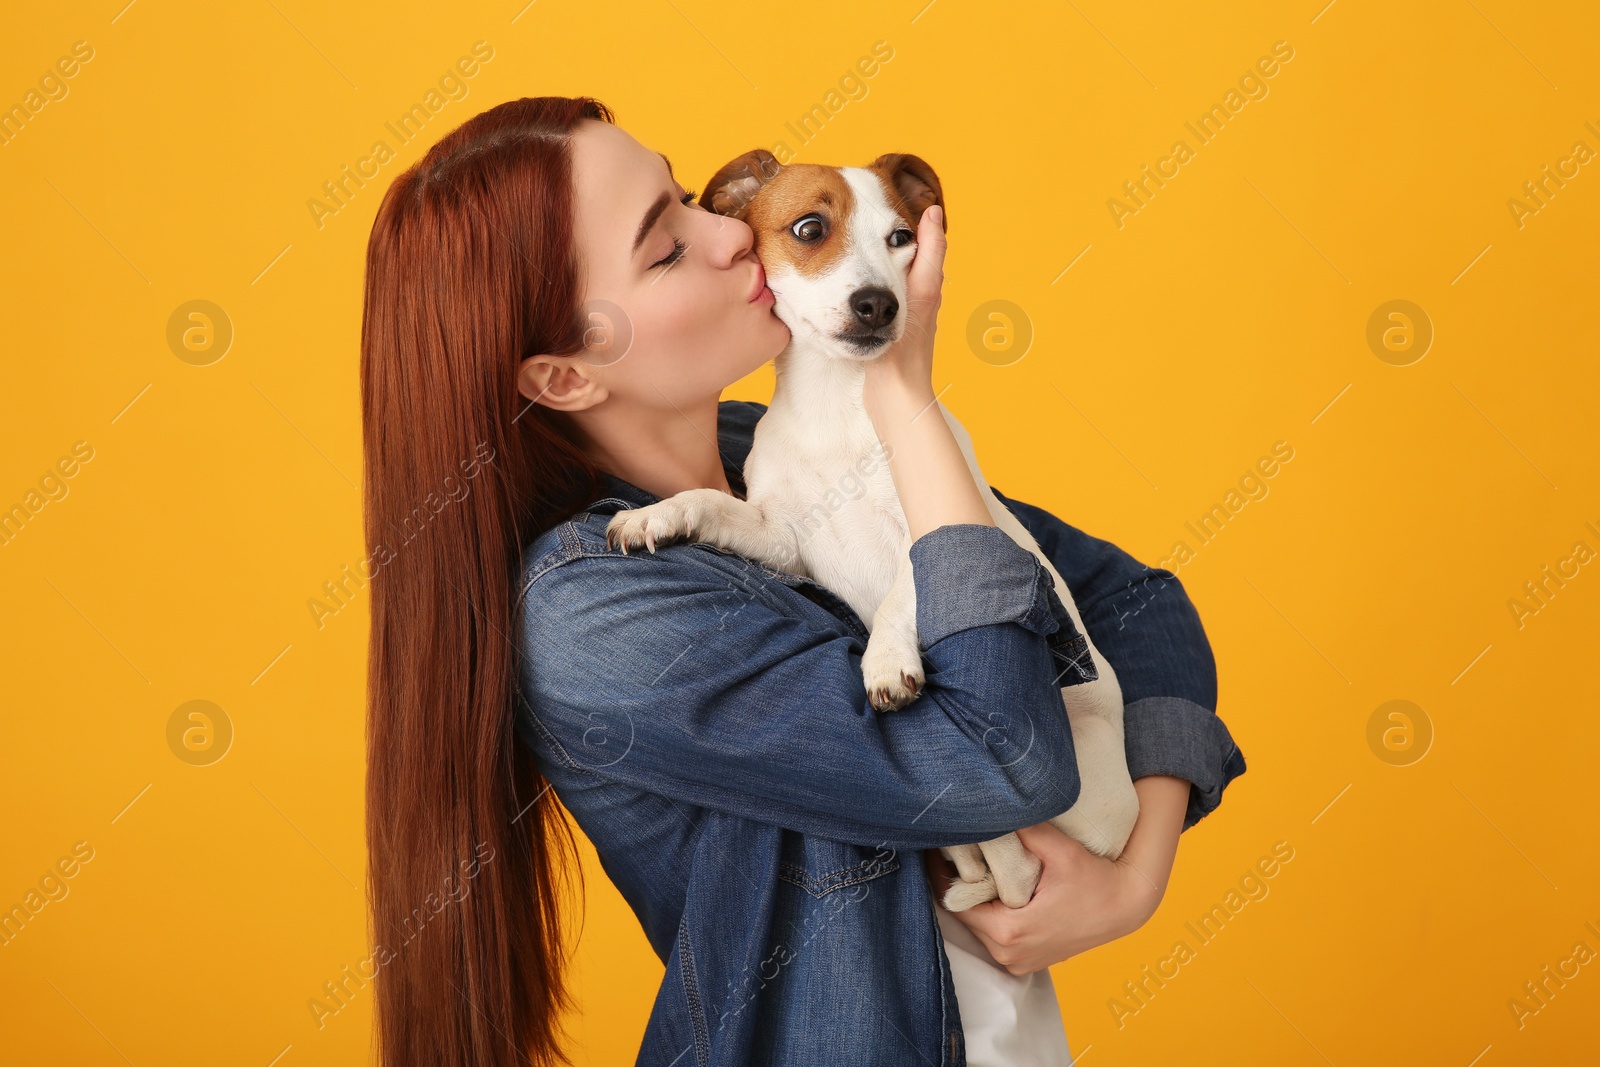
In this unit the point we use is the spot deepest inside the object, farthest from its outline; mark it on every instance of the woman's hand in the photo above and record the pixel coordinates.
(907, 365)
(1082, 900)
(930, 471)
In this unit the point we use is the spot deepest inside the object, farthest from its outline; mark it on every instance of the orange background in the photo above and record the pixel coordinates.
(1168, 355)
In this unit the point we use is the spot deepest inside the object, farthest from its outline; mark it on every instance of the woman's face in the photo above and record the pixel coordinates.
(666, 284)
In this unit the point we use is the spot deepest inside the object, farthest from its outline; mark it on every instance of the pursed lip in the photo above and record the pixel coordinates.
(761, 283)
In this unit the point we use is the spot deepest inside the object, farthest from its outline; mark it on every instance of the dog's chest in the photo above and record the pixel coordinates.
(841, 504)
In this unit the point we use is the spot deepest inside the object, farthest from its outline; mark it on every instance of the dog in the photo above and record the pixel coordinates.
(836, 244)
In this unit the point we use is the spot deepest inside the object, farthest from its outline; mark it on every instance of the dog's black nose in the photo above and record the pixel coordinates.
(875, 308)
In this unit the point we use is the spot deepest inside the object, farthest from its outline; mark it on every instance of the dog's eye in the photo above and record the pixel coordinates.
(900, 237)
(810, 228)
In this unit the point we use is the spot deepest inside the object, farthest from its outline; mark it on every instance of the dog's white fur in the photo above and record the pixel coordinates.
(816, 437)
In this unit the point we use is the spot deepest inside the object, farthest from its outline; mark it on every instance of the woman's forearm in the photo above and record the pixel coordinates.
(1153, 845)
(930, 473)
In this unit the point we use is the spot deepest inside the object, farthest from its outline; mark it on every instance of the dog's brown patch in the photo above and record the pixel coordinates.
(798, 190)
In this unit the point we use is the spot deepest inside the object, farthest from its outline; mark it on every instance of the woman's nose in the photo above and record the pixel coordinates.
(734, 239)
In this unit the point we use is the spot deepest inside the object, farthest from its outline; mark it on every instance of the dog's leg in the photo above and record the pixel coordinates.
(1015, 870)
(968, 860)
(1102, 818)
(709, 515)
(892, 664)
(974, 884)
(1004, 869)
(963, 895)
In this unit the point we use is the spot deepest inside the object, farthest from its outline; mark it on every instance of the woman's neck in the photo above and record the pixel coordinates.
(663, 451)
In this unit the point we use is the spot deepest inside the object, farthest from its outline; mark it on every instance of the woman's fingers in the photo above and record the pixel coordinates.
(908, 363)
(926, 279)
(927, 269)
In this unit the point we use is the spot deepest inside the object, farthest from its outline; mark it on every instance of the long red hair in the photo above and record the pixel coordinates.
(470, 267)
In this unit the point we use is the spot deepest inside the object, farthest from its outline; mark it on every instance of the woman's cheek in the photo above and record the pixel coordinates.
(658, 321)
(695, 320)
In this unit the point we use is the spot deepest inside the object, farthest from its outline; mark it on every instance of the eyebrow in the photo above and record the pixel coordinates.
(661, 204)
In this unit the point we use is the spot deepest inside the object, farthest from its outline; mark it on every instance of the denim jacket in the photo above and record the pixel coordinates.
(703, 718)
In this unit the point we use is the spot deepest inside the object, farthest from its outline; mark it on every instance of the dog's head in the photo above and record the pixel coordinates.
(836, 242)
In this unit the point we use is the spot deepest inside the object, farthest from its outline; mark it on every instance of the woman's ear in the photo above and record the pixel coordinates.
(564, 383)
(731, 189)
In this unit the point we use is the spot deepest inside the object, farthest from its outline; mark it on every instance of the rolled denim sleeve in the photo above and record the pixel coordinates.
(970, 574)
(690, 674)
(1150, 632)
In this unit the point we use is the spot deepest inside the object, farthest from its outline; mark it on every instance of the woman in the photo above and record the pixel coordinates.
(549, 324)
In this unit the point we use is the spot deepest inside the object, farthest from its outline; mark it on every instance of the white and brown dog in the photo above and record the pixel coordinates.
(837, 244)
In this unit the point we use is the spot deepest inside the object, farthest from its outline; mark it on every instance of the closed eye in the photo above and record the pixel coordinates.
(678, 249)
(678, 246)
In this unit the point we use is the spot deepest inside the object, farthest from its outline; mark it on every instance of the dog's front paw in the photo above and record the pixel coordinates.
(662, 522)
(891, 693)
(892, 671)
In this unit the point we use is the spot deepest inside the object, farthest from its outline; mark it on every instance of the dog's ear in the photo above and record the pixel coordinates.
(731, 189)
(915, 181)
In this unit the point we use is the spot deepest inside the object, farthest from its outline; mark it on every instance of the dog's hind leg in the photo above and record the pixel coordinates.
(1003, 869)
(1016, 870)
(1107, 806)
(962, 895)
(968, 860)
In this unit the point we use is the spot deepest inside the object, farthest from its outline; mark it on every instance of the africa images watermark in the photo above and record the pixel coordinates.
(53, 486)
(1538, 592)
(1252, 486)
(852, 87)
(340, 190)
(1539, 191)
(52, 87)
(851, 485)
(340, 992)
(1140, 991)
(53, 888)
(1252, 84)
(1537, 993)
(339, 593)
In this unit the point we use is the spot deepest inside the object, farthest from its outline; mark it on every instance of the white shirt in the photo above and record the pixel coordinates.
(1008, 1021)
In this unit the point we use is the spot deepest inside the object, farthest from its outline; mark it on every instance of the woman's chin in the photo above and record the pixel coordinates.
(779, 329)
